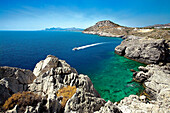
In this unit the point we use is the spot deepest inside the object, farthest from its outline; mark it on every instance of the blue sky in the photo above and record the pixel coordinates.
(40, 14)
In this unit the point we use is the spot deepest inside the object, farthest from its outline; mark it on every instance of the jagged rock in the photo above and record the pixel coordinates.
(13, 80)
(157, 88)
(44, 65)
(143, 50)
(155, 78)
(82, 82)
(53, 74)
(83, 102)
(109, 107)
(52, 78)
(4, 94)
(23, 76)
(132, 104)
(14, 110)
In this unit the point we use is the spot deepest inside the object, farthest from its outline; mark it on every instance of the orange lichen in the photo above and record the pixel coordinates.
(67, 93)
(22, 100)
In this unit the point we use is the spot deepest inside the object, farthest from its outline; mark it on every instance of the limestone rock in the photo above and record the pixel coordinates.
(157, 90)
(44, 65)
(13, 80)
(52, 78)
(143, 50)
(23, 76)
(155, 79)
(14, 110)
(109, 107)
(83, 102)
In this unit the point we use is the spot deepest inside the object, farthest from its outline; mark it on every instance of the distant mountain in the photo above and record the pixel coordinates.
(63, 29)
(159, 26)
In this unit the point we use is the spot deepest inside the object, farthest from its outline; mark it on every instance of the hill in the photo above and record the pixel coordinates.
(111, 29)
(63, 29)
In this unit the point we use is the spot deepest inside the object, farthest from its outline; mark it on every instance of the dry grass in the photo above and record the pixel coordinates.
(22, 100)
(67, 93)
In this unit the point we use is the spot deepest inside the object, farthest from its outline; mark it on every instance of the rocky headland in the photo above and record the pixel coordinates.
(146, 45)
(54, 86)
(110, 29)
(149, 45)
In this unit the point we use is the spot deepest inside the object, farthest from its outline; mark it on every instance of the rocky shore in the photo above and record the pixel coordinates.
(149, 46)
(54, 86)
(145, 50)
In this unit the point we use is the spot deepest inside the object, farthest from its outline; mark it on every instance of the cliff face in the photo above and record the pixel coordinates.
(149, 51)
(54, 86)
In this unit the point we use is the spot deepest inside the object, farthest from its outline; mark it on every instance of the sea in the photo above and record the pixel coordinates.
(109, 72)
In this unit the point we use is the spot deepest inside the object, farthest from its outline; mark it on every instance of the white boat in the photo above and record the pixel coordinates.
(86, 46)
(75, 49)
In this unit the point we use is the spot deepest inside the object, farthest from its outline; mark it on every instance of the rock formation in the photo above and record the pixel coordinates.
(13, 80)
(48, 77)
(110, 29)
(144, 50)
(51, 75)
(157, 90)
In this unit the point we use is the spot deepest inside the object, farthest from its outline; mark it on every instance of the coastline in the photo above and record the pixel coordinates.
(52, 75)
(47, 79)
(151, 51)
(102, 34)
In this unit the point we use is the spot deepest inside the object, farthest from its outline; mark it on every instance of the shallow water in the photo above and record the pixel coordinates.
(109, 72)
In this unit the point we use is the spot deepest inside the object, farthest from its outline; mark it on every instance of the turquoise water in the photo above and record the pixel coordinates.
(109, 72)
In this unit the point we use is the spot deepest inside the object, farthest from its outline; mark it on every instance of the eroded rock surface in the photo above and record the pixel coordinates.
(52, 74)
(13, 80)
(83, 102)
(149, 51)
(157, 90)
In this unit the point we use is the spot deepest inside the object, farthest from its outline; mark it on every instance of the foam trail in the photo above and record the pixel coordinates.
(86, 46)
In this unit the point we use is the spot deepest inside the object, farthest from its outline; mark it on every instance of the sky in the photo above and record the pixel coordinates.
(41, 14)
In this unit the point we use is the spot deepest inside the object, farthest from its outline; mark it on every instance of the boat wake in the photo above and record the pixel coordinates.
(87, 46)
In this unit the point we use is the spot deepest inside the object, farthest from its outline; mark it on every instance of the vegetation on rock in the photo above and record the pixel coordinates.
(22, 99)
(67, 93)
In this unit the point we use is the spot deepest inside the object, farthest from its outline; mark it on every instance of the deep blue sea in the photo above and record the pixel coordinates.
(110, 73)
